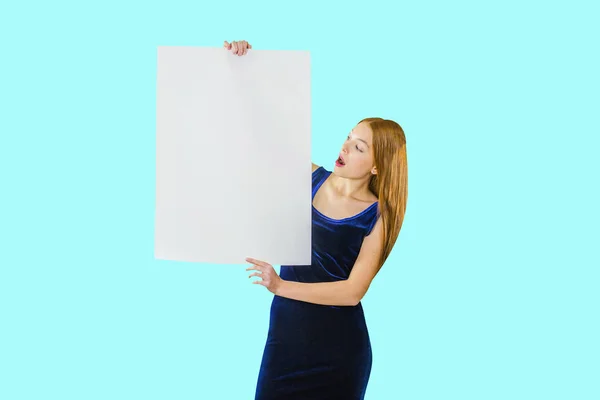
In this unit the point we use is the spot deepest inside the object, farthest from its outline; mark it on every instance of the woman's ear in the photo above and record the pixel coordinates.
(374, 171)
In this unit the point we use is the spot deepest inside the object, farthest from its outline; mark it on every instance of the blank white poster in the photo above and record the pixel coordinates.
(233, 152)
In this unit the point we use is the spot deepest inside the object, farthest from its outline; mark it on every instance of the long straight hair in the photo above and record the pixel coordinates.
(390, 184)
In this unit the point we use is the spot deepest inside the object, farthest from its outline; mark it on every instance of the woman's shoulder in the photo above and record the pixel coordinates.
(319, 170)
(319, 175)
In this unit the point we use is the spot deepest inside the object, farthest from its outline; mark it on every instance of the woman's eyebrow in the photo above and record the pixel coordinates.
(360, 139)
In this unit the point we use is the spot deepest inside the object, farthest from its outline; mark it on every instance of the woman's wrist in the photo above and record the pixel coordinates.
(280, 287)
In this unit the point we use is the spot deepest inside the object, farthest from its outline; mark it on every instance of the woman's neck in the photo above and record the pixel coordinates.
(352, 188)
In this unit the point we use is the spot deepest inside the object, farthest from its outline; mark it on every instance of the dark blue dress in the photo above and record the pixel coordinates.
(315, 351)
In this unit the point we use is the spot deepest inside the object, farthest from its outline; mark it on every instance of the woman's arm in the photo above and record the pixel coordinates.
(348, 292)
(338, 293)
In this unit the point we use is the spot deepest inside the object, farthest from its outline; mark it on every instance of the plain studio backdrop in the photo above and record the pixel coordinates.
(491, 291)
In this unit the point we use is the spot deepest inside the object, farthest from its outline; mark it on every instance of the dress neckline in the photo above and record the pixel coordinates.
(321, 182)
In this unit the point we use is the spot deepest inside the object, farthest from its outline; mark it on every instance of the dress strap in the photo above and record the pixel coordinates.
(318, 177)
(375, 217)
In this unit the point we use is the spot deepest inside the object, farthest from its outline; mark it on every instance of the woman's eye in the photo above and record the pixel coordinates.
(358, 149)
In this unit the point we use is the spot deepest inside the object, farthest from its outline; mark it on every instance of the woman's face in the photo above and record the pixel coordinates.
(356, 160)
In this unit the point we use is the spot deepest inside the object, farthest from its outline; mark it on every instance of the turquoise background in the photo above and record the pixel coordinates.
(491, 291)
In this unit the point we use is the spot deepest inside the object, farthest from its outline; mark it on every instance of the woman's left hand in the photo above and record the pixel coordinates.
(269, 277)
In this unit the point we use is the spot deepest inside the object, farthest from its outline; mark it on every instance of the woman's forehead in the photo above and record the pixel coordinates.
(362, 131)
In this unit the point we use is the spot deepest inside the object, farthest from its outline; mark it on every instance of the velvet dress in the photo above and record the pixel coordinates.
(314, 351)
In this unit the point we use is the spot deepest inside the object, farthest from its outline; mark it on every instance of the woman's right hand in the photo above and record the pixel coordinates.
(240, 47)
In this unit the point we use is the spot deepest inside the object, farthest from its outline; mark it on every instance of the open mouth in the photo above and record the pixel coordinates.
(340, 161)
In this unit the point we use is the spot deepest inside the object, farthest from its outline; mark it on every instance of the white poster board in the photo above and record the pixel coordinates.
(233, 152)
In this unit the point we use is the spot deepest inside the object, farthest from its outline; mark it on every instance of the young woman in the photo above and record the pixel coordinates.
(318, 345)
